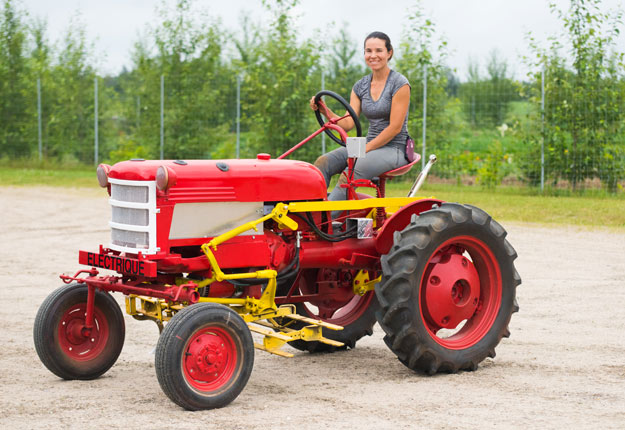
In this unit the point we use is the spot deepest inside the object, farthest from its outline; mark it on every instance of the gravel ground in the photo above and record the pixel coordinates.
(563, 366)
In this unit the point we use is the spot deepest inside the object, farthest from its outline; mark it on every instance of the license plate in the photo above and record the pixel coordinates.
(124, 265)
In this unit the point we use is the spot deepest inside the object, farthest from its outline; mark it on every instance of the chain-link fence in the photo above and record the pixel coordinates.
(547, 132)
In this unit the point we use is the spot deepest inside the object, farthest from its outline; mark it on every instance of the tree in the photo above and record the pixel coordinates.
(70, 95)
(486, 101)
(279, 84)
(13, 78)
(584, 110)
(420, 56)
(344, 71)
(198, 87)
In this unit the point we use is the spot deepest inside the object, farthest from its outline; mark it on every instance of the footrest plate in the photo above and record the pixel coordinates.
(314, 322)
(273, 351)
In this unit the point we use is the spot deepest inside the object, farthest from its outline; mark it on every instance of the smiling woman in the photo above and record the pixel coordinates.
(383, 97)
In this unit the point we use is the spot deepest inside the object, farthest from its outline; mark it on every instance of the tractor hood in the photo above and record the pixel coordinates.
(262, 179)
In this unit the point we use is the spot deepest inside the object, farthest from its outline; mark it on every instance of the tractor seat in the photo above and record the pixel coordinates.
(401, 170)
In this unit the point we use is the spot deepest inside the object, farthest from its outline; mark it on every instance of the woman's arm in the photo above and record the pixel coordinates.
(399, 108)
(347, 123)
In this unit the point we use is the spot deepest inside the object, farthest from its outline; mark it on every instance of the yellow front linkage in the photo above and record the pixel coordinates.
(275, 327)
(254, 310)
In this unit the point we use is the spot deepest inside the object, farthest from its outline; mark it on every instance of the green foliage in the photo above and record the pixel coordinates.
(70, 92)
(344, 69)
(584, 107)
(420, 56)
(486, 101)
(279, 84)
(198, 87)
(488, 130)
(491, 173)
(13, 92)
(66, 87)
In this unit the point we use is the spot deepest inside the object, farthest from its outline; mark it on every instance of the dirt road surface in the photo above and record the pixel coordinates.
(563, 366)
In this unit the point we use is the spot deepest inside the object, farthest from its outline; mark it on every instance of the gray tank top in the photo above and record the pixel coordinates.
(378, 112)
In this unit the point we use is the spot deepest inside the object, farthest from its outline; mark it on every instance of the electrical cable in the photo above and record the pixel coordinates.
(329, 237)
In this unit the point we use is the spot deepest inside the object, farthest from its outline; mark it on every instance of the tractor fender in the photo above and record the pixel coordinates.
(398, 221)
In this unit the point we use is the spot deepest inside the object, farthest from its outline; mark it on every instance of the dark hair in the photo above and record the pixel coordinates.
(381, 36)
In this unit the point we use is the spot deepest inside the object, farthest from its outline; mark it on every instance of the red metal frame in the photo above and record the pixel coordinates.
(330, 125)
(140, 286)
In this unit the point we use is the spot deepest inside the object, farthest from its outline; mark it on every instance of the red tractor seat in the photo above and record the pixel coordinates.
(401, 170)
(381, 180)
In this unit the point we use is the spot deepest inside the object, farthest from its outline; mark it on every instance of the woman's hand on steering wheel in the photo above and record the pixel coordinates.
(319, 107)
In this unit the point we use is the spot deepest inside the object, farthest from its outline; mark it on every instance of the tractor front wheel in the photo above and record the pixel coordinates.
(448, 289)
(65, 346)
(204, 356)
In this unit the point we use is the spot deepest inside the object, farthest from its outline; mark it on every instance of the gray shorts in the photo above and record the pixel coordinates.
(374, 164)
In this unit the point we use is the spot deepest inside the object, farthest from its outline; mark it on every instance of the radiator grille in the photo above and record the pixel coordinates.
(133, 216)
(130, 239)
(125, 193)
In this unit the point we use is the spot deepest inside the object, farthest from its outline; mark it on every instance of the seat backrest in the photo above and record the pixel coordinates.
(401, 170)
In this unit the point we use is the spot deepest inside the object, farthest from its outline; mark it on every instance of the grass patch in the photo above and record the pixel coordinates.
(75, 176)
(591, 209)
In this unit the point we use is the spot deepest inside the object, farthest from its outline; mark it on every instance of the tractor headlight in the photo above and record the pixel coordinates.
(103, 175)
(165, 178)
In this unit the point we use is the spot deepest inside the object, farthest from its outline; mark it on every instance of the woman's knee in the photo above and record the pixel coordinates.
(321, 163)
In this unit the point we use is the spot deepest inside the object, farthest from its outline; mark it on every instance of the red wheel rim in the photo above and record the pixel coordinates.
(344, 307)
(209, 359)
(78, 343)
(460, 292)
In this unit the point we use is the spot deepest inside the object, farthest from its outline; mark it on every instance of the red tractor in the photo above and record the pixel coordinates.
(219, 249)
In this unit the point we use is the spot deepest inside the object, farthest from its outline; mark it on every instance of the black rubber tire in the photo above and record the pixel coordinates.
(173, 347)
(351, 333)
(47, 328)
(399, 292)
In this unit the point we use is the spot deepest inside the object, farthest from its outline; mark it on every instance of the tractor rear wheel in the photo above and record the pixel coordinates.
(204, 356)
(61, 341)
(355, 313)
(448, 289)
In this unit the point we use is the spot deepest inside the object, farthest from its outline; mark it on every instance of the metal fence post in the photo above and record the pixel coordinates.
(95, 120)
(39, 138)
(162, 114)
(138, 112)
(542, 137)
(323, 135)
(425, 110)
(238, 115)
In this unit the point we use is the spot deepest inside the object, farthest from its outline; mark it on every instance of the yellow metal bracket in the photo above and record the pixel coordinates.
(151, 308)
(362, 284)
(249, 306)
(321, 206)
(276, 335)
(261, 314)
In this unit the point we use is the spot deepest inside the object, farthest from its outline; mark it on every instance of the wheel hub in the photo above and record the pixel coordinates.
(207, 357)
(452, 290)
(75, 339)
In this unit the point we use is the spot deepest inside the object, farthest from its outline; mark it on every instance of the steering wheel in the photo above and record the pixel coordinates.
(346, 105)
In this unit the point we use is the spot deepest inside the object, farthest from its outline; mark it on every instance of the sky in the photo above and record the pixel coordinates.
(472, 28)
